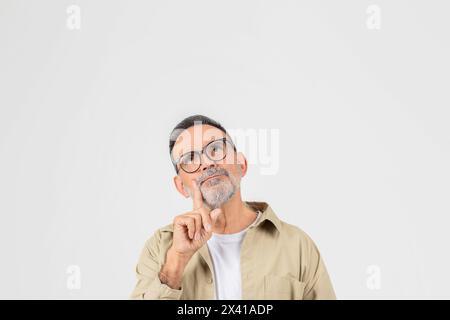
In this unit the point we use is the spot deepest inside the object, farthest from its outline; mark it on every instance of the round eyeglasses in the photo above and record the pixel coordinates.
(215, 150)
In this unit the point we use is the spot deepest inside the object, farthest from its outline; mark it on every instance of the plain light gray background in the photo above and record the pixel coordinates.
(362, 115)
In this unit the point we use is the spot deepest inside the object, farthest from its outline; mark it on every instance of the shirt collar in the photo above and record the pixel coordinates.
(266, 214)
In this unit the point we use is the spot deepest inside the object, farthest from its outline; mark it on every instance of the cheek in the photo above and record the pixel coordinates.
(188, 188)
(187, 180)
(235, 171)
(231, 168)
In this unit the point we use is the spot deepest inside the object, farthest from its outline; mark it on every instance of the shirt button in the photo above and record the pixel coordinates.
(210, 280)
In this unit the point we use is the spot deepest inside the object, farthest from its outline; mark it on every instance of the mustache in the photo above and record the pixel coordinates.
(211, 172)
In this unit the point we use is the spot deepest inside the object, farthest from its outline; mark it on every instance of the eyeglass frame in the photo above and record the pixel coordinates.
(201, 152)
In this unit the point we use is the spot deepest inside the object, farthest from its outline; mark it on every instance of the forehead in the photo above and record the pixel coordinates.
(194, 138)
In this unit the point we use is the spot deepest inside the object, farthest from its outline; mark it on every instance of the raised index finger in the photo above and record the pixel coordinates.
(198, 199)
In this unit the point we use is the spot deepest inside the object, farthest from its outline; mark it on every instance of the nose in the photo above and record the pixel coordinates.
(206, 163)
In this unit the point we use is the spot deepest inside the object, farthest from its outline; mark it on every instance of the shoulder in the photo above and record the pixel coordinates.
(297, 236)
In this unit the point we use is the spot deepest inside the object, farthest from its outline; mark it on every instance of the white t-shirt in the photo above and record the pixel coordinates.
(225, 251)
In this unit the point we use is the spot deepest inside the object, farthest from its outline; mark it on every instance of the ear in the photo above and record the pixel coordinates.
(242, 163)
(180, 186)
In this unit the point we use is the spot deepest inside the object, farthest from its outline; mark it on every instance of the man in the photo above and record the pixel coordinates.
(225, 248)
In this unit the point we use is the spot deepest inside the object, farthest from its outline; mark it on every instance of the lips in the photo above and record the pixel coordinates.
(213, 176)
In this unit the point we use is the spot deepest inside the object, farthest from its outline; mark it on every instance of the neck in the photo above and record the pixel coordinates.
(236, 216)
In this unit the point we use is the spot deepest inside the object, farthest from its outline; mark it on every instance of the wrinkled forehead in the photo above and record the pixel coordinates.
(194, 138)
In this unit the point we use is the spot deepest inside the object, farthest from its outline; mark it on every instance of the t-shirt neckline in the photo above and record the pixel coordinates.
(233, 237)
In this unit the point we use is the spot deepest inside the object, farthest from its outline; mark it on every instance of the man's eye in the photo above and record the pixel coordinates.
(216, 151)
(216, 148)
(188, 158)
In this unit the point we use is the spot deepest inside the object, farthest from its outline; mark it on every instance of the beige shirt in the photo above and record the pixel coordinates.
(278, 261)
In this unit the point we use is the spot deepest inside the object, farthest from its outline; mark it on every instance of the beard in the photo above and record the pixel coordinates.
(218, 190)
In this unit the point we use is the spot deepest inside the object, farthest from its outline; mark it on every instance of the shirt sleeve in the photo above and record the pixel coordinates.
(318, 282)
(149, 286)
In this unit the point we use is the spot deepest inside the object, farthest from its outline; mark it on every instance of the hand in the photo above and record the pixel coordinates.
(194, 228)
(190, 232)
